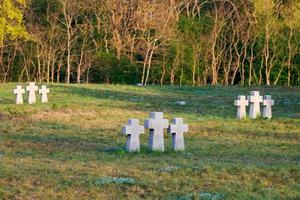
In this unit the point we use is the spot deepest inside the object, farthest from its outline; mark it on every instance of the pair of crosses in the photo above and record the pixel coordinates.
(254, 100)
(31, 89)
(156, 125)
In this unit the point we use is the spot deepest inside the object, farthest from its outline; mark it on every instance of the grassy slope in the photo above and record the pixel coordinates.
(63, 149)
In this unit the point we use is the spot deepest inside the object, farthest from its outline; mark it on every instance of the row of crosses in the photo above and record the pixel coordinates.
(254, 100)
(156, 125)
(31, 89)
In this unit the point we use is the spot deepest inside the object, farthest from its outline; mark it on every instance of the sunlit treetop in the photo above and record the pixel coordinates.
(11, 20)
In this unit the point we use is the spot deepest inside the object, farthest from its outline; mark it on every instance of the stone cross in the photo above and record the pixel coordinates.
(156, 124)
(133, 131)
(268, 103)
(44, 91)
(254, 100)
(19, 92)
(177, 128)
(32, 89)
(241, 103)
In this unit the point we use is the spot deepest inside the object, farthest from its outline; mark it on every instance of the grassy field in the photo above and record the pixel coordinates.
(72, 148)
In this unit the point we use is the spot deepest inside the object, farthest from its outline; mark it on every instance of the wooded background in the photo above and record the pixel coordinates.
(188, 42)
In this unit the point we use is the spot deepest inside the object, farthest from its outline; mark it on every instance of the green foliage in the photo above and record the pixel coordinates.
(194, 27)
(11, 21)
(113, 70)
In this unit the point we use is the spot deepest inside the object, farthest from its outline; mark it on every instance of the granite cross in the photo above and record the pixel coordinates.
(19, 93)
(241, 103)
(32, 89)
(156, 124)
(268, 103)
(177, 128)
(44, 91)
(255, 101)
(133, 131)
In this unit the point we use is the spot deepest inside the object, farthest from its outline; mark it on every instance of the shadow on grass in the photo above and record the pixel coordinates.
(201, 101)
(92, 148)
(156, 100)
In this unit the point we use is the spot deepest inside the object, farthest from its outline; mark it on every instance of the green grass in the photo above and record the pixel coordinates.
(72, 148)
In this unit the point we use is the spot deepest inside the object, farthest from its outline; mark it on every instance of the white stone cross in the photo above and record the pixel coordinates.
(19, 93)
(44, 91)
(156, 124)
(254, 100)
(241, 103)
(268, 103)
(133, 131)
(177, 128)
(32, 89)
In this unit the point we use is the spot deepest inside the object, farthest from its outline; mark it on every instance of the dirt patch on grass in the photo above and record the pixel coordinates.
(4, 116)
(105, 118)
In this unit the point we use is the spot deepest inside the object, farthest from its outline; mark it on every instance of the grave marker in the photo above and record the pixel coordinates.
(177, 129)
(254, 100)
(19, 94)
(44, 91)
(268, 102)
(32, 89)
(241, 103)
(156, 124)
(133, 131)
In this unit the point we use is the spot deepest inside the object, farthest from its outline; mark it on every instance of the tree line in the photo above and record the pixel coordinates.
(182, 42)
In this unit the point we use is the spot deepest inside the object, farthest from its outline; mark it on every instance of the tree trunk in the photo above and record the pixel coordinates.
(251, 63)
(181, 76)
(149, 64)
(144, 66)
(290, 57)
(80, 62)
(163, 70)
(195, 60)
(68, 57)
